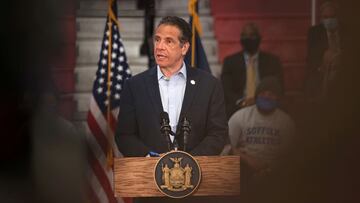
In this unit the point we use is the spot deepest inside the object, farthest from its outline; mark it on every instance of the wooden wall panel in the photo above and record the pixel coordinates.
(270, 25)
(259, 6)
(283, 25)
(289, 50)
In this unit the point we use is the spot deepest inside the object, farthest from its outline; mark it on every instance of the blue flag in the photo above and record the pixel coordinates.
(196, 56)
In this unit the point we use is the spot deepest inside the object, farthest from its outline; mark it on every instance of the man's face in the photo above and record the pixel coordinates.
(168, 51)
(328, 17)
(266, 102)
(248, 32)
(328, 12)
(268, 95)
(250, 40)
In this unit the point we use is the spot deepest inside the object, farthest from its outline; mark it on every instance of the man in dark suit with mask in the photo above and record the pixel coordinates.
(244, 70)
(323, 53)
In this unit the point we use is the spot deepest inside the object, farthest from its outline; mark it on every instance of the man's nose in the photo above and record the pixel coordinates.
(159, 45)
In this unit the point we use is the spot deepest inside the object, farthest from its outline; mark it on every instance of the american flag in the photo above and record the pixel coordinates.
(112, 71)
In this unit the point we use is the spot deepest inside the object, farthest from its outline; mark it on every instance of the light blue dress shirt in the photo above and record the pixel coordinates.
(172, 92)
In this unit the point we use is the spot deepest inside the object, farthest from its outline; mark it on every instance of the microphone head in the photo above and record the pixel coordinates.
(164, 116)
(185, 121)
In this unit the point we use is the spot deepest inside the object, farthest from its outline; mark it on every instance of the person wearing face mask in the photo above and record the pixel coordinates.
(243, 71)
(324, 50)
(261, 133)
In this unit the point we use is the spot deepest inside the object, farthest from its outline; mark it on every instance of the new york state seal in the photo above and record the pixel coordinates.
(177, 174)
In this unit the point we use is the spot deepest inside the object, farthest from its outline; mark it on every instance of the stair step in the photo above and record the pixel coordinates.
(130, 28)
(103, 5)
(128, 8)
(137, 60)
(85, 76)
(82, 100)
(89, 49)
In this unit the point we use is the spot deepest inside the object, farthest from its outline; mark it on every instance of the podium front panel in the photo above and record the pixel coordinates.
(134, 177)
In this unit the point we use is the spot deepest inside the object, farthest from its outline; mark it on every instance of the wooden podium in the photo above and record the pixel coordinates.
(134, 177)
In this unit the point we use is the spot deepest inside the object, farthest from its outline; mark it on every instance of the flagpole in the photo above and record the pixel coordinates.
(192, 7)
(193, 44)
(313, 12)
(109, 156)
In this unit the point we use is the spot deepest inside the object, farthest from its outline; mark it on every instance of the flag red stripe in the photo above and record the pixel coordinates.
(101, 176)
(97, 132)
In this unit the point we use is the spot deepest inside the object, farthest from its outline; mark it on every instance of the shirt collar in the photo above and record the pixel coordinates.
(182, 71)
(247, 56)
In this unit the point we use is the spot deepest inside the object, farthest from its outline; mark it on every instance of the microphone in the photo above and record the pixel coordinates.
(165, 128)
(185, 128)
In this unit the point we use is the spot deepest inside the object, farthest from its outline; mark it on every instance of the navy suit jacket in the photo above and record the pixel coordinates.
(138, 128)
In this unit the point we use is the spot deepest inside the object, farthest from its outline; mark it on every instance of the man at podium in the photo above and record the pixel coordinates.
(177, 89)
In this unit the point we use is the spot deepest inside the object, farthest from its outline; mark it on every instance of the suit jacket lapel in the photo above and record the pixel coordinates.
(261, 65)
(190, 90)
(152, 85)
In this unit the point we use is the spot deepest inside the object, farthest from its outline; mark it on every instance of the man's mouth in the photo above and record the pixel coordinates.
(160, 56)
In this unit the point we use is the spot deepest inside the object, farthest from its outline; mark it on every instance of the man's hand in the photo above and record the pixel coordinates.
(246, 102)
(329, 59)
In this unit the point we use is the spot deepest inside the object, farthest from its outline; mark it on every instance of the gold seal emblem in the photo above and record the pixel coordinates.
(177, 174)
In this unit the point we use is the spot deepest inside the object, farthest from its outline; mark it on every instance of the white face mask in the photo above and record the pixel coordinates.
(330, 23)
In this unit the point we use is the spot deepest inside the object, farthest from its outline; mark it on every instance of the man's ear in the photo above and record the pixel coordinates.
(185, 48)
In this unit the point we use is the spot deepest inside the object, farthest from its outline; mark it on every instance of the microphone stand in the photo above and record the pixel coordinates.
(165, 131)
(185, 128)
(165, 128)
(176, 145)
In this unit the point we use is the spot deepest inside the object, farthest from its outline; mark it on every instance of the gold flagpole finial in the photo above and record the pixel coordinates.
(196, 19)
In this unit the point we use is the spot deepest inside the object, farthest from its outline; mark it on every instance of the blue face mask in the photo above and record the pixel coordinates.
(266, 104)
(330, 23)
